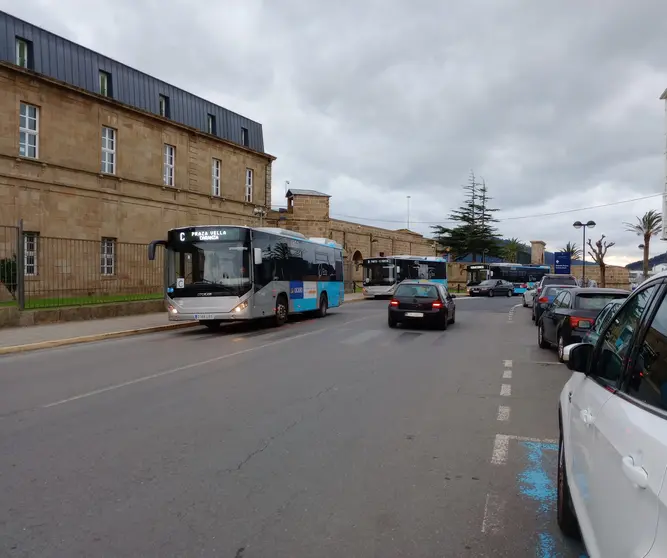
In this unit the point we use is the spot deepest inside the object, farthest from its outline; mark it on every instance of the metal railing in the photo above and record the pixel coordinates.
(47, 272)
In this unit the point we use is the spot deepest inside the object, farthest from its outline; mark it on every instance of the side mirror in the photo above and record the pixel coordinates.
(258, 256)
(151, 248)
(452, 295)
(577, 356)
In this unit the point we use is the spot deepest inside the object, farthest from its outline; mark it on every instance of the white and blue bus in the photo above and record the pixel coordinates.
(216, 274)
(523, 276)
(383, 274)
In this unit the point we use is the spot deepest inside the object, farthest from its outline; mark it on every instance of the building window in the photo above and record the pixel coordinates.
(29, 131)
(105, 84)
(108, 150)
(215, 177)
(30, 244)
(169, 164)
(211, 124)
(24, 56)
(164, 106)
(244, 136)
(248, 185)
(108, 256)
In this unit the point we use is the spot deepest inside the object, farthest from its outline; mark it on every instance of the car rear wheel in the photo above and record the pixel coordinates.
(444, 322)
(391, 322)
(525, 304)
(567, 519)
(453, 317)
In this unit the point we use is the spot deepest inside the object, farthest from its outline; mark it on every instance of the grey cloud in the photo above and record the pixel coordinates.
(391, 98)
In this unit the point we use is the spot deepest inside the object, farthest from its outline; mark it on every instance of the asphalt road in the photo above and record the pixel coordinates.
(324, 438)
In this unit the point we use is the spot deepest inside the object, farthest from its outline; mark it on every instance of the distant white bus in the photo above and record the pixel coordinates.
(383, 274)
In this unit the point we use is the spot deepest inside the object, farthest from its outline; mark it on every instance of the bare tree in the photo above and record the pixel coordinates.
(598, 253)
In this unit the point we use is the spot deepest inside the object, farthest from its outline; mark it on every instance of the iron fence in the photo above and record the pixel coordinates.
(9, 272)
(46, 272)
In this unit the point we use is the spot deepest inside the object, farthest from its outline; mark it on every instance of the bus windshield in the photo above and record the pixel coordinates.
(214, 266)
(378, 273)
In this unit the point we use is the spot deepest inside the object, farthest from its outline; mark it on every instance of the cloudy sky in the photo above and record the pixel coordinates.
(554, 104)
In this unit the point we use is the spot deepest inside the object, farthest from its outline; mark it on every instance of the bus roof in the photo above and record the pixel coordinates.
(272, 230)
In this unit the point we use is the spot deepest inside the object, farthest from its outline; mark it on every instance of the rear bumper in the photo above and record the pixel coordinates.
(399, 315)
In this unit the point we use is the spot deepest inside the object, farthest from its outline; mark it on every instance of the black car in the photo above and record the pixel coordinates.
(422, 301)
(544, 299)
(571, 316)
(492, 287)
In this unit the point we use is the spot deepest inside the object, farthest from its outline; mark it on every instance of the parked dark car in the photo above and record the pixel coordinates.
(572, 314)
(603, 318)
(421, 301)
(542, 301)
(493, 287)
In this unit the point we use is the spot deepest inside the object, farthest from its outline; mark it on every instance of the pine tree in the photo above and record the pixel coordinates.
(474, 233)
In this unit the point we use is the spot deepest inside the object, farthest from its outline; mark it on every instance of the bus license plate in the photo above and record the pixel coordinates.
(414, 315)
(203, 316)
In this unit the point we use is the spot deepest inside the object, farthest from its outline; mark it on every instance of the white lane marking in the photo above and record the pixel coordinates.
(506, 390)
(507, 363)
(493, 513)
(503, 413)
(195, 365)
(500, 449)
(510, 315)
(507, 374)
(501, 446)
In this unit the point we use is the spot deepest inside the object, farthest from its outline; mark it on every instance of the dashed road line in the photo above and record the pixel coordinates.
(507, 375)
(503, 413)
(507, 363)
(506, 390)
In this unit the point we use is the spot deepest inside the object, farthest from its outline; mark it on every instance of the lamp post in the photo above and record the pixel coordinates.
(580, 225)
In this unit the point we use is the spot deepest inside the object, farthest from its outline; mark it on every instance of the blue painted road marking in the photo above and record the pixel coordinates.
(538, 482)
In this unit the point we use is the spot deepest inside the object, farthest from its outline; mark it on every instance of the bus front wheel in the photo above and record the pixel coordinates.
(281, 310)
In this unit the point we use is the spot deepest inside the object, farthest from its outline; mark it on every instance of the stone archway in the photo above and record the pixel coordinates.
(357, 270)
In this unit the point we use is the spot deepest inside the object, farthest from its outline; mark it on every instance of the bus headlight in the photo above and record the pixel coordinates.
(241, 307)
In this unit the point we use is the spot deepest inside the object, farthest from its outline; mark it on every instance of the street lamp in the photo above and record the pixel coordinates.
(580, 225)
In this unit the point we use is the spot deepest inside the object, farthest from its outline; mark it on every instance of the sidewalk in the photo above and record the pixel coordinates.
(20, 339)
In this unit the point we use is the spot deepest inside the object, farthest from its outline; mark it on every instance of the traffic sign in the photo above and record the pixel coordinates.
(563, 263)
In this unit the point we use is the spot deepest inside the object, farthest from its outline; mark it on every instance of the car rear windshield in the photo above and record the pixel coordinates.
(563, 280)
(595, 301)
(416, 291)
(553, 291)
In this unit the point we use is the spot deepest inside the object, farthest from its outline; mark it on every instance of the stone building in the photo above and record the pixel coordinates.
(97, 159)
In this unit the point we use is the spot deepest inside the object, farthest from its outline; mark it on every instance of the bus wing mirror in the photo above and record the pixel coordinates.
(151, 248)
(258, 256)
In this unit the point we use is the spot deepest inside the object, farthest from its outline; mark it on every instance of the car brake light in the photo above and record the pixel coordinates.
(523, 285)
(436, 304)
(543, 300)
(581, 323)
(393, 302)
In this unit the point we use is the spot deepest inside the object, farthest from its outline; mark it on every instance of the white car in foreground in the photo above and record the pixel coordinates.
(612, 457)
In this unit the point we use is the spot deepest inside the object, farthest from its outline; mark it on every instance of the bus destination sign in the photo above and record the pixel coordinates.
(204, 235)
(378, 261)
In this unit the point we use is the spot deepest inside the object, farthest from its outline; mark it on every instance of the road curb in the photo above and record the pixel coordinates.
(92, 338)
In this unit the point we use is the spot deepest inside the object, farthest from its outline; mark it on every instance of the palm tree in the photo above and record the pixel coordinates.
(511, 249)
(572, 249)
(647, 226)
